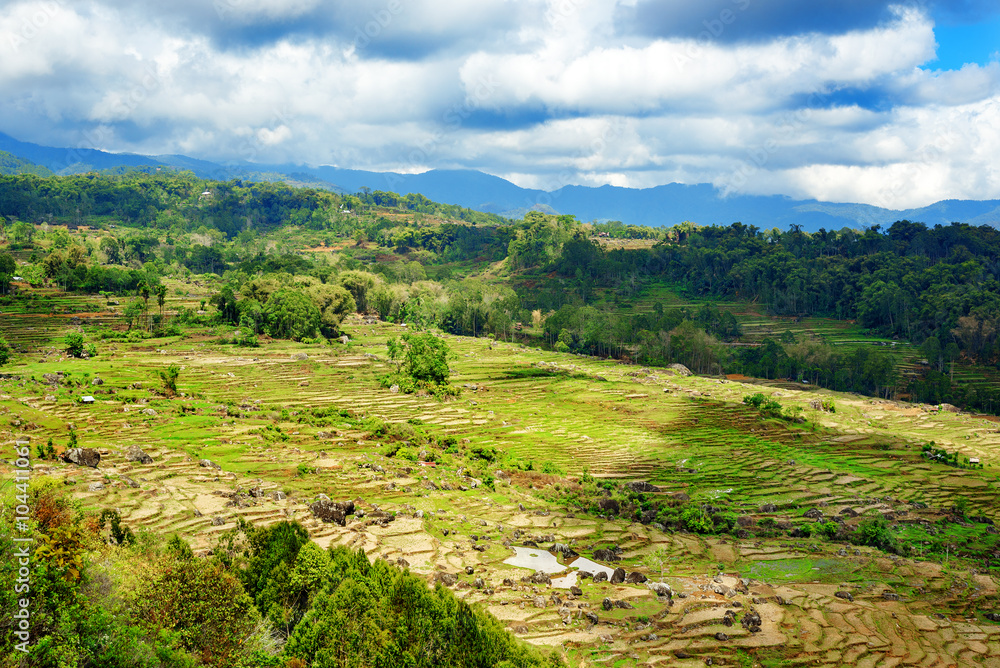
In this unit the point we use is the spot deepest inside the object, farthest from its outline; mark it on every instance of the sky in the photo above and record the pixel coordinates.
(895, 104)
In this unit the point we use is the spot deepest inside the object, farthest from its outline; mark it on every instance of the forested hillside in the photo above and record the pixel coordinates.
(581, 287)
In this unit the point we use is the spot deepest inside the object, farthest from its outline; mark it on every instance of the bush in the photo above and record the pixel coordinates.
(765, 404)
(4, 351)
(74, 344)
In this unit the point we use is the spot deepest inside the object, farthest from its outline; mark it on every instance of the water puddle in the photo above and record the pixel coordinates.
(537, 559)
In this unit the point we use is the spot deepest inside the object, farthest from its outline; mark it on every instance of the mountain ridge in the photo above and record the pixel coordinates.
(661, 205)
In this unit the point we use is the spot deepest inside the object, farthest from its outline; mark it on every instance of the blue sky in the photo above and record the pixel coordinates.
(890, 103)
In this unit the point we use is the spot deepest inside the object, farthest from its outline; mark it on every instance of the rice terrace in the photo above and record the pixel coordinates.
(400, 433)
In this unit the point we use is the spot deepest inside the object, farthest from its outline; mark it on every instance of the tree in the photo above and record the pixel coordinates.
(74, 344)
(422, 363)
(291, 315)
(21, 234)
(169, 378)
(334, 304)
(4, 351)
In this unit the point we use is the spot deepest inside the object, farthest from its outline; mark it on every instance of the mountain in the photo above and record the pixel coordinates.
(663, 205)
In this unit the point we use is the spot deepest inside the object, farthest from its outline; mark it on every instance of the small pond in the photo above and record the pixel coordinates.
(538, 559)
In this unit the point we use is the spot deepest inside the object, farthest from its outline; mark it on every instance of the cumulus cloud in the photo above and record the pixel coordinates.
(834, 100)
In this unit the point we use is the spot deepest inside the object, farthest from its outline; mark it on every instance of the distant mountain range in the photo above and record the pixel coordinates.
(660, 206)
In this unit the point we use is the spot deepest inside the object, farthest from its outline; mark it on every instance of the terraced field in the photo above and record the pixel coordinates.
(820, 602)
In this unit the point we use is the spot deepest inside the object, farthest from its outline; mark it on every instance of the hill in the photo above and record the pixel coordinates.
(664, 205)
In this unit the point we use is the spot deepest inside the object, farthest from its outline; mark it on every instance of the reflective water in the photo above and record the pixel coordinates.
(537, 559)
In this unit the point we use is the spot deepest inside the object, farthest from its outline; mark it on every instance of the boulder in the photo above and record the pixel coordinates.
(218, 521)
(278, 495)
(610, 505)
(540, 577)
(591, 617)
(478, 583)
(131, 483)
(660, 589)
(680, 369)
(149, 411)
(992, 616)
(300, 357)
(721, 637)
(136, 454)
(600, 576)
(345, 339)
(539, 602)
(447, 579)
(606, 555)
(768, 508)
(618, 576)
(640, 486)
(813, 513)
(846, 595)
(564, 550)
(744, 521)
(893, 596)
(575, 591)
(624, 605)
(209, 464)
(751, 621)
(82, 457)
(635, 578)
(469, 570)
(332, 511)
(95, 487)
(608, 604)
(97, 381)
(583, 575)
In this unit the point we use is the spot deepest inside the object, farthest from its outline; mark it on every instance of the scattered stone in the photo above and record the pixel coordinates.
(591, 617)
(600, 576)
(768, 508)
(95, 487)
(640, 486)
(447, 579)
(469, 570)
(478, 583)
(539, 602)
(606, 555)
(332, 511)
(218, 521)
(846, 595)
(131, 483)
(721, 637)
(892, 596)
(575, 591)
(814, 513)
(82, 457)
(299, 357)
(97, 381)
(660, 589)
(209, 464)
(136, 454)
(608, 604)
(618, 576)
(635, 578)
(149, 411)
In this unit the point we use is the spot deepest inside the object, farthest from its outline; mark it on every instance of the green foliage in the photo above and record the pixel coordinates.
(765, 404)
(876, 532)
(291, 315)
(118, 534)
(74, 344)
(5, 353)
(169, 378)
(422, 364)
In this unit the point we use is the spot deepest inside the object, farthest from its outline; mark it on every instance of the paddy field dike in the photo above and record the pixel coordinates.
(544, 451)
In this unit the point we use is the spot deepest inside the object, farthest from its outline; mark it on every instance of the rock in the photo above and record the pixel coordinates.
(846, 595)
(680, 369)
(149, 411)
(136, 454)
(849, 512)
(639, 486)
(539, 602)
(332, 511)
(575, 591)
(394, 389)
(540, 577)
(591, 617)
(892, 596)
(660, 589)
(95, 487)
(82, 457)
(608, 604)
(469, 570)
(478, 583)
(610, 505)
(447, 579)
(813, 513)
(681, 497)
(345, 339)
(583, 575)
(635, 578)
(751, 621)
(565, 550)
(304, 383)
(949, 408)
(131, 483)
(744, 521)
(721, 637)
(624, 605)
(768, 508)
(618, 576)
(992, 616)
(218, 521)
(606, 555)
(600, 576)
(299, 357)
(681, 654)
(209, 464)
(97, 381)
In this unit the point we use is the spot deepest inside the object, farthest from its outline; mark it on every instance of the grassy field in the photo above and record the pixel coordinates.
(305, 419)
